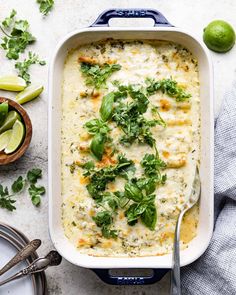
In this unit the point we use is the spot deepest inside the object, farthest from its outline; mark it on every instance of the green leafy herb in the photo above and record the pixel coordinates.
(8, 21)
(97, 145)
(18, 185)
(104, 220)
(99, 178)
(36, 193)
(107, 106)
(149, 216)
(134, 212)
(97, 75)
(23, 67)
(133, 192)
(168, 86)
(109, 233)
(100, 130)
(6, 200)
(97, 126)
(33, 175)
(18, 37)
(45, 6)
(153, 165)
(135, 127)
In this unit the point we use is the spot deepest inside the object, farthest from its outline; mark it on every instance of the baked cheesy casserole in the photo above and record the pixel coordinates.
(130, 144)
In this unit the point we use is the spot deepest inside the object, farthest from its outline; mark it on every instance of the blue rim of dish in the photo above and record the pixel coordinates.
(18, 240)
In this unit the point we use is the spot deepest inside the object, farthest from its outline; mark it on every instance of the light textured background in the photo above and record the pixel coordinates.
(67, 16)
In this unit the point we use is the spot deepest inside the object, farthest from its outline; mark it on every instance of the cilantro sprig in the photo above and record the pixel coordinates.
(168, 86)
(7, 200)
(99, 178)
(97, 75)
(45, 6)
(24, 66)
(17, 36)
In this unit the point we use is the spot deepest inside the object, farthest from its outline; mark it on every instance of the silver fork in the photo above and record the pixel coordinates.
(175, 273)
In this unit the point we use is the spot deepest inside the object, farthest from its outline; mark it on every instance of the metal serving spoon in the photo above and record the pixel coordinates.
(175, 273)
(24, 253)
(53, 258)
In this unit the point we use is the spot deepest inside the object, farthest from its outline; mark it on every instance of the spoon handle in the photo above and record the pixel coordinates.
(24, 253)
(175, 273)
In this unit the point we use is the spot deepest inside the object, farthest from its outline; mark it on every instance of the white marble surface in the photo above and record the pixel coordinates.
(67, 16)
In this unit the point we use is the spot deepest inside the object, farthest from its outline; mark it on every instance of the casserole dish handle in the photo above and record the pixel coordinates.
(105, 16)
(106, 277)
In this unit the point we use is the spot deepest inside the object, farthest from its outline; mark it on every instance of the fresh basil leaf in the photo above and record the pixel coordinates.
(147, 184)
(134, 211)
(33, 175)
(97, 146)
(97, 126)
(107, 106)
(149, 216)
(18, 185)
(133, 192)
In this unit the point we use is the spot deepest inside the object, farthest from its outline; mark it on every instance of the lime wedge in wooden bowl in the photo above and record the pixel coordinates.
(9, 121)
(4, 139)
(17, 136)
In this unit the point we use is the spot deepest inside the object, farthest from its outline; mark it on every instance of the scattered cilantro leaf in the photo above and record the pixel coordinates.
(168, 86)
(23, 66)
(7, 22)
(35, 193)
(33, 175)
(104, 220)
(97, 75)
(18, 36)
(6, 200)
(99, 178)
(18, 185)
(45, 6)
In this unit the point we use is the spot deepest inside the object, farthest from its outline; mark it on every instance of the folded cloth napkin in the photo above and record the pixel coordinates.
(214, 273)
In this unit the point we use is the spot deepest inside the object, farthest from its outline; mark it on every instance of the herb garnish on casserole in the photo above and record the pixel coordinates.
(130, 139)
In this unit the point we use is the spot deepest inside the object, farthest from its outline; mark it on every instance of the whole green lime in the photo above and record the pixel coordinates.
(219, 36)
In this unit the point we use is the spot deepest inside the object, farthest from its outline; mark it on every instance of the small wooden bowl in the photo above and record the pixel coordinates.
(4, 158)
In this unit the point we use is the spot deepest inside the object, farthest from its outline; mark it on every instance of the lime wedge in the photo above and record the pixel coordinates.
(17, 136)
(4, 139)
(29, 93)
(12, 83)
(3, 111)
(9, 121)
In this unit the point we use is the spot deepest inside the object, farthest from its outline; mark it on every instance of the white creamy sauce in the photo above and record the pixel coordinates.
(178, 145)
